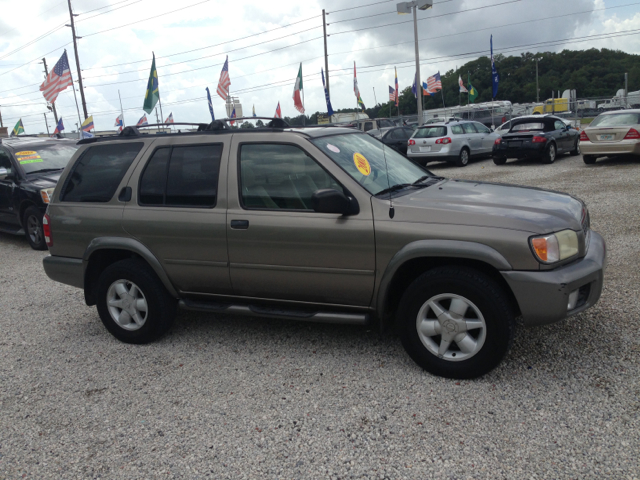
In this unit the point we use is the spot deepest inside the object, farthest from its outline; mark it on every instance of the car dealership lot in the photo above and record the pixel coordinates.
(229, 397)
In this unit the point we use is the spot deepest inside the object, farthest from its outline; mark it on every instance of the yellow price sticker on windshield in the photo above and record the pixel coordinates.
(26, 152)
(362, 164)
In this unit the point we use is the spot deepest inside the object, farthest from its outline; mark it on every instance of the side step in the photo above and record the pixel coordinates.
(277, 312)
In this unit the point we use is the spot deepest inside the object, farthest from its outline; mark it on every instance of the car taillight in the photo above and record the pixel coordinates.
(443, 141)
(632, 134)
(498, 141)
(412, 142)
(46, 230)
(583, 136)
(538, 139)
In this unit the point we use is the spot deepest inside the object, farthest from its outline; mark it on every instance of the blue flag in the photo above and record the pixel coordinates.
(326, 95)
(414, 87)
(495, 79)
(213, 118)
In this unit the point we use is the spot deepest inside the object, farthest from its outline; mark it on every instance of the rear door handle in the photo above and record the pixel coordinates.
(239, 224)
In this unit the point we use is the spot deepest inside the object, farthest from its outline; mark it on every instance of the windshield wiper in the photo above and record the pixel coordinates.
(394, 188)
(47, 170)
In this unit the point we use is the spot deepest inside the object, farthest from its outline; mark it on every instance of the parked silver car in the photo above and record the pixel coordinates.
(455, 142)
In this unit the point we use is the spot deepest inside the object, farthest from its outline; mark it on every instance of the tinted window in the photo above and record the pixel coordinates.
(274, 177)
(457, 129)
(182, 177)
(506, 126)
(97, 174)
(5, 161)
(469, 128)
(525, 127)
(368, 126)
(481, 128)
(385, 123)
(616, 120)
(398, 134)
(430, 132)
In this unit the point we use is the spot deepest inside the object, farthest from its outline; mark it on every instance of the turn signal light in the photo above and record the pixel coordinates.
(583, 136)
(538, 139)
(443, 141)
(632, 134)
(412, 142)
(46, 230)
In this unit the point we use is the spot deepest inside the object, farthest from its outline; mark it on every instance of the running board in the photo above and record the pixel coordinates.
(277, 312)
(11, 229)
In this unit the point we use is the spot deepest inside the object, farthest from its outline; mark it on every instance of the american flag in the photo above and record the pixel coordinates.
(434, 83)
(58, 79)
(392, 94)
(233, 115)
(223, 84)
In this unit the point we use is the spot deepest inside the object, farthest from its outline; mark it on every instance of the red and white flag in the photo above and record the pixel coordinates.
(224, 82)
(58, 79)
(278, 112)
(297, 90)
(463, 89)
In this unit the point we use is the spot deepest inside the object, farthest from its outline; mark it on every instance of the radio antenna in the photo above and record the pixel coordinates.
(392, 211)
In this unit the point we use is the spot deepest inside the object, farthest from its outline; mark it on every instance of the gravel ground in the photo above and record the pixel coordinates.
(224, 397)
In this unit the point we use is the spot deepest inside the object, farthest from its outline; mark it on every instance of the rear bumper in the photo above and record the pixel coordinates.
(69, 271)
(543, 296)
(532, 150)
(624, 147)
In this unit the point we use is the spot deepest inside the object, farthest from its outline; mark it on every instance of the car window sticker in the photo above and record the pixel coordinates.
(333, 148)
(28, 156)
(362, 164)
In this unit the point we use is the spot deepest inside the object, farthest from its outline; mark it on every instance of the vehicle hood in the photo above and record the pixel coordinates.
(44, 179)
(460, 202)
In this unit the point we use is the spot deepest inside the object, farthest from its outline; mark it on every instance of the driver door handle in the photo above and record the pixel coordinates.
(239, 224)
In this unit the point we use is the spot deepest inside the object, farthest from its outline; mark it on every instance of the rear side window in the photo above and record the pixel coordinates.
(430, 132)
(469, 128)
(181, 177)
(481, 128)
(456, 129)
(97, 174)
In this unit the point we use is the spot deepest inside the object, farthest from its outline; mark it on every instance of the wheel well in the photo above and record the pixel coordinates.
(412, 269)
(98, 261)
(23, 208)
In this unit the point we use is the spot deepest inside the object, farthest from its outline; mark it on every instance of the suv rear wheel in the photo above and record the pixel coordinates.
(463, 158)
(456, 322)
(132, 302)
(589, 159)
(32, 224)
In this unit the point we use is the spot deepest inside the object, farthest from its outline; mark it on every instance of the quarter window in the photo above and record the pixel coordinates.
(481, 128)
(185, 176)
(280, 177)
(97, 174)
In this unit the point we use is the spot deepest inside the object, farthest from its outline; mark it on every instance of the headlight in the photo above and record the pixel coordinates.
(47, 194)
(555, 247)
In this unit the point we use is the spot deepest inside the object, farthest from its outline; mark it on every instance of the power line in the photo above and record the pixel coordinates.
(53, 30)
(37, 58)
(145, 19)
(108, 6)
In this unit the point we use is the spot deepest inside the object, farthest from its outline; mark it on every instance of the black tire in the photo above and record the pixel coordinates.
(32, 225)
(499, 160)
(550, 154)
(475, 287)
(589, 159)
(463, 158)
(161, 307)
(576, 149)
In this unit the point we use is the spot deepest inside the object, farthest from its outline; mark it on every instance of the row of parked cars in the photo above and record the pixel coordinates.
(536, 136)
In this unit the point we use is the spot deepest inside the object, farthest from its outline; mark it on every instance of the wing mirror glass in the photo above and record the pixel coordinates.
(6, 174)
(329, 200)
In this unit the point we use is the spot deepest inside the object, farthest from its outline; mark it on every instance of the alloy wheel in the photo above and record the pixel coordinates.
(33, 229)
(127, 305)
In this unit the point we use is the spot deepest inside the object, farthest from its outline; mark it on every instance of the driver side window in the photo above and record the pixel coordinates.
(5, 161)
(280, 177)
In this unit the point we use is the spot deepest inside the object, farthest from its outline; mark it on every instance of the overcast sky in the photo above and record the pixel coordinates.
(265, 49)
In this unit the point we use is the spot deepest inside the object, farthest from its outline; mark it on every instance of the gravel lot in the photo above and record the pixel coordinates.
(229, 397)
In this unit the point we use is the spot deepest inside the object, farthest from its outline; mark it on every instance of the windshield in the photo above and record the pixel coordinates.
(616, 120)
(363, 157)
(385, 123)
(430, 132)
(45, 157)
(525, 127)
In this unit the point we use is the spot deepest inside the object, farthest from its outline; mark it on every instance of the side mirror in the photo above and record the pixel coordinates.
(6, 174)
(329, 200)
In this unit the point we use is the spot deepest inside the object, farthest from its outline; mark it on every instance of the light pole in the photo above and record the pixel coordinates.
(407, 7)
(537, 87)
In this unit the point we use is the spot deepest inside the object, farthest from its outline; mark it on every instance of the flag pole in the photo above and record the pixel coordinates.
(73, 87)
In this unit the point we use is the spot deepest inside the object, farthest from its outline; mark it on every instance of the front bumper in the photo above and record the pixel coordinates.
(624, 147)
(543, 296)
(69, 271)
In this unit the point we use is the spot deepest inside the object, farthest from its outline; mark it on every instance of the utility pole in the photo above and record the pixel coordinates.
(1, 124)
(326, 56)
(53, 104)
(157, 119)
(45, 122)
(537, 87)
(626, 90)
(374, 95)
(75, 49)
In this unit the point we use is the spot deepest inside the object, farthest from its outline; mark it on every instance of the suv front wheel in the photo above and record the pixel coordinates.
(456, 322)
(32, 224)
(132, 302)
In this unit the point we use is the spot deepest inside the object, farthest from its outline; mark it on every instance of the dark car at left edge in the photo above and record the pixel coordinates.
(29, 171)
(394, 137)
(540, 137)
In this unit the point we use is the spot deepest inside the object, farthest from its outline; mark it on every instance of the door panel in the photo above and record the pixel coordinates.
(7, 215)
(178, 211)
(287, 251)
